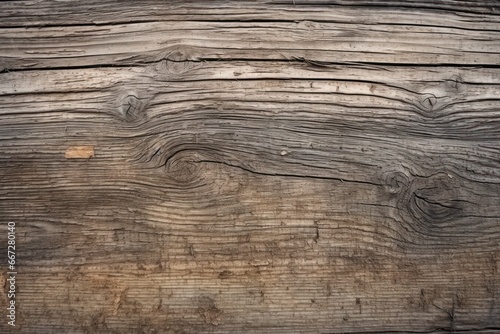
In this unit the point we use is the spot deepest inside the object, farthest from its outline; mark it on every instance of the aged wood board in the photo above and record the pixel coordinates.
(251, 166)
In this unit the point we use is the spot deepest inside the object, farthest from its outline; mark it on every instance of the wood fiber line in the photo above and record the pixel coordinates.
(258, 167)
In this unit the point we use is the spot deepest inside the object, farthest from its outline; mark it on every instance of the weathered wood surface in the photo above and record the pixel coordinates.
(271, 167)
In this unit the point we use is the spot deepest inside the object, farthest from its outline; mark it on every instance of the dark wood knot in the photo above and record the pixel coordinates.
(433, 200)
(395, 182)
(131, 107)
(428, 102)
(454, 82)
(176, 60)
(182, 166)
(178, 67)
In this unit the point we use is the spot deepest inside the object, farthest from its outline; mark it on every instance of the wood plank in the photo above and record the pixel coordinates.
(329, 166)
(226, 197)
(330, 34)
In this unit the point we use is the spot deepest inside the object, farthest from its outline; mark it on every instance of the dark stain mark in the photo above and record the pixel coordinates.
(208, 310)
(225, 274)
(358, 302)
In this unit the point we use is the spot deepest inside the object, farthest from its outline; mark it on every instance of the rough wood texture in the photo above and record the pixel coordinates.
(271, 167)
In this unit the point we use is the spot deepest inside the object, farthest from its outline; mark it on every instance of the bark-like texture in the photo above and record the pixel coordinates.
(261, 167)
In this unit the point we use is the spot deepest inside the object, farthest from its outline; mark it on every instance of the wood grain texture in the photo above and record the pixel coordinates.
(238, 31)
(323, 167)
